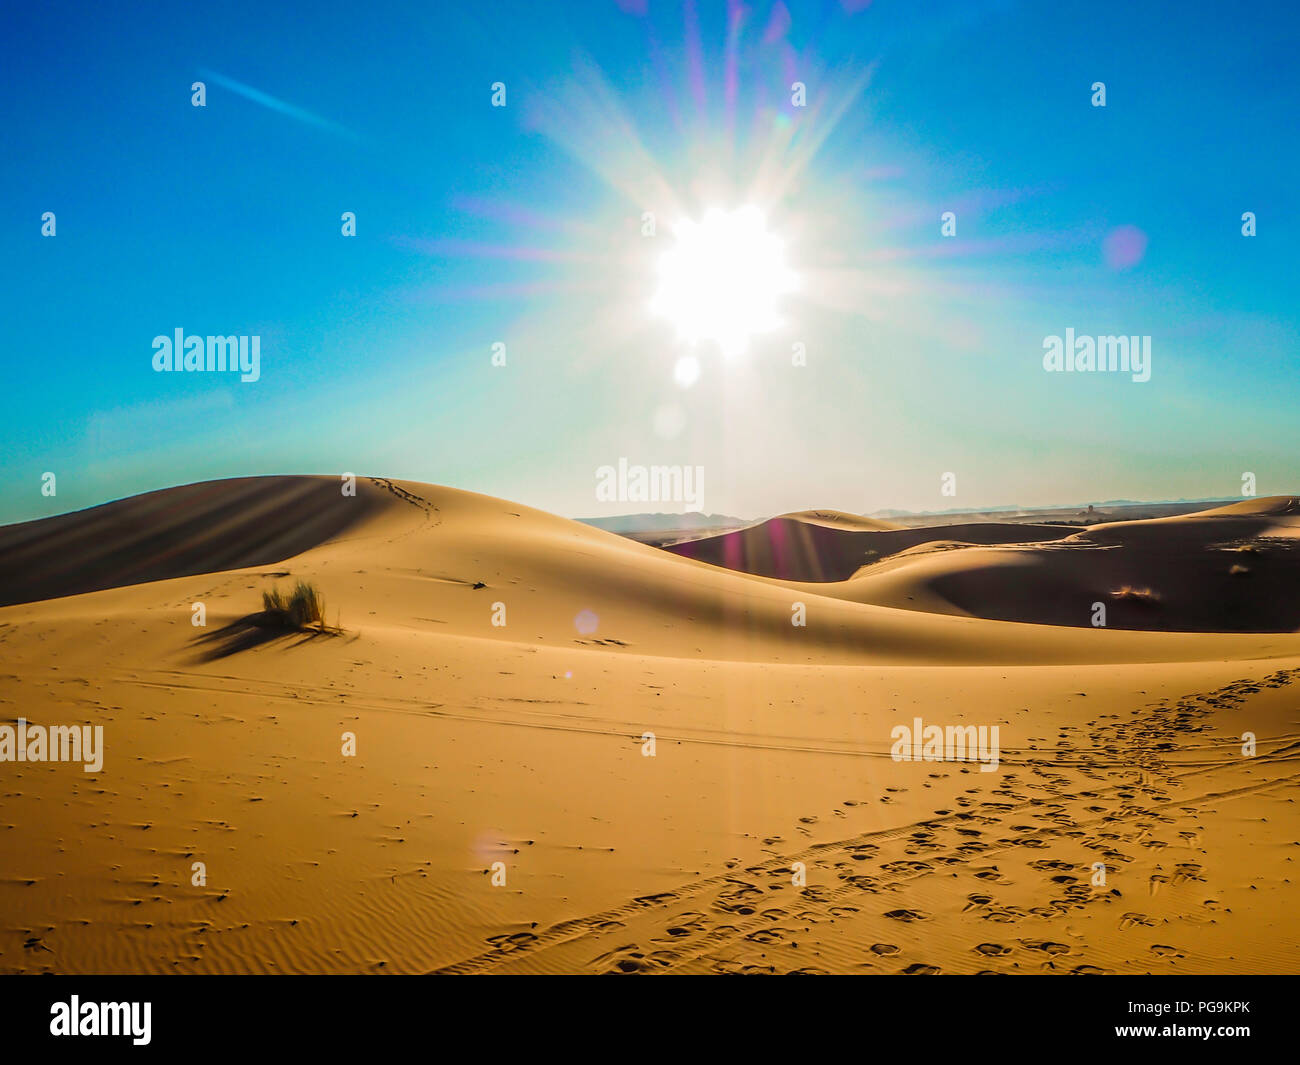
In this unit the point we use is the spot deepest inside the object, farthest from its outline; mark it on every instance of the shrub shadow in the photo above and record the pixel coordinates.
(253, 630)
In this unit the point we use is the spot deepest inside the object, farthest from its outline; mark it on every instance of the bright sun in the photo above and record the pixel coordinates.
(723, 279)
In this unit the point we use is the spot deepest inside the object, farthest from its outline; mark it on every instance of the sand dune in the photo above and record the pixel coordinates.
(1230, 569)
(524, 744)
(178, 532)
(838, 519)
(802, 547)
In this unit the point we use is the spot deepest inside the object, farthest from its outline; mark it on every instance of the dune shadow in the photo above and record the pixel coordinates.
(250, 631)
(795, 550)
(208, 527)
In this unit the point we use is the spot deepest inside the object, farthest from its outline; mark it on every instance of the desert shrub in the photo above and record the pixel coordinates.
(299, 609)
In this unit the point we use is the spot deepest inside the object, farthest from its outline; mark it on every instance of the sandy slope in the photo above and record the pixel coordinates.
(523, 744)
(1234, 568)
(247, 521)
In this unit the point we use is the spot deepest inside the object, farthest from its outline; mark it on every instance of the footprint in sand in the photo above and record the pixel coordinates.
(738, 899)
(687, 924)
(630, 960)
(908, 915)
(1005, 915)
(884, 949)
(1044, 864)
(655, 900)
(907, 867)
(1130, 919)
(1046, 946)
(512, 940)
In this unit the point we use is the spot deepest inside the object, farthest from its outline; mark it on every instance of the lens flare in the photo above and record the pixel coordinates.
(723, 279)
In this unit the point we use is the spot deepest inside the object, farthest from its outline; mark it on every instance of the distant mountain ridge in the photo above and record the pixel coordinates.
(643, 523)
(1015, 508)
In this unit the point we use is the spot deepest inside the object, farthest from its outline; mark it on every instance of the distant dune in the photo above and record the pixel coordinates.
(626, 524)
(1234, 568)
(578, 753)
(660, 529)
(830, 546)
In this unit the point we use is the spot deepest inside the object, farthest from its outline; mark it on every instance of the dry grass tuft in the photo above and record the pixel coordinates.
(302, 608)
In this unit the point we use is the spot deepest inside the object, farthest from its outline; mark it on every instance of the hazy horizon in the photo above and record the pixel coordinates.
(615, 515)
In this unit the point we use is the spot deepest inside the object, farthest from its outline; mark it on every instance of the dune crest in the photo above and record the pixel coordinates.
(178, 532)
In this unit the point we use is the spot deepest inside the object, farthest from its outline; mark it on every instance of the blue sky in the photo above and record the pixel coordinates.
(522, 225)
